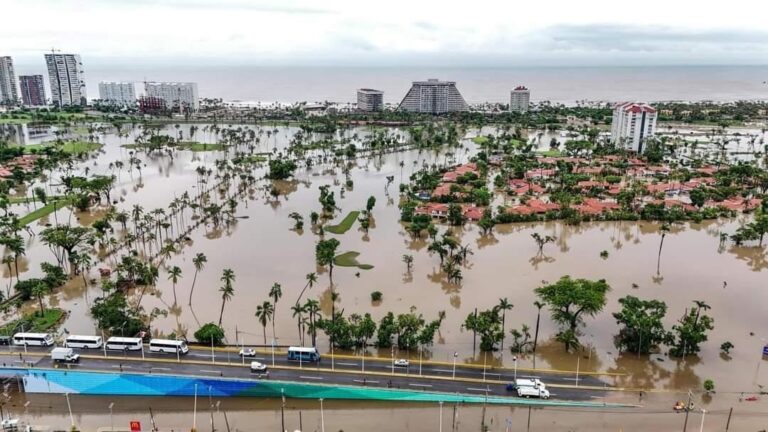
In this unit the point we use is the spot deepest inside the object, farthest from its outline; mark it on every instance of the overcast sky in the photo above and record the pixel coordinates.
(393, 32)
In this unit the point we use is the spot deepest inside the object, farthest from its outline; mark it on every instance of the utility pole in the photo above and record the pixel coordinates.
(282, 409)
(687, 411)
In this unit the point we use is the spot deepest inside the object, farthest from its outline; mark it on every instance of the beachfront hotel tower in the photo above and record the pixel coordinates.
(370, 100)
(32, 90)
(178, 96)
(117, 93)
(519, 99)
(433, 97)
(632, 124)
(67, 79)
(9, 95)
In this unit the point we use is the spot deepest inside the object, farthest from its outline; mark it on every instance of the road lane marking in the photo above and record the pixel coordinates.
(420, 385)
(346, 364)
(122, 367)
(310, 377)
(478, 389)
(443, 370)
(209, 371)
(366, 381)
(161, 368)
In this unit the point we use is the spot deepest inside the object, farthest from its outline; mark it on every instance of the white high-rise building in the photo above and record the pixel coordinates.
(177, 95)
(519, 99)
(370, 99)
(9, 93)
(117, 93)
(632, 124)
(434, 97)
(67, 79)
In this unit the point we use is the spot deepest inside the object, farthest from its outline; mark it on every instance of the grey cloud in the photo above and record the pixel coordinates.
(603, 37)
(284, 7)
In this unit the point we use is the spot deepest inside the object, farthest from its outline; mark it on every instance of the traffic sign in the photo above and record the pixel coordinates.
(135, 426)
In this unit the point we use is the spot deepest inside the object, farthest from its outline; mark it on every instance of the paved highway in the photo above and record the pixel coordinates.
(438, 377)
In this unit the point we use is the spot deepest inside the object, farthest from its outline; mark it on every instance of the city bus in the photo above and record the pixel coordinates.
(78, 341)
(33, 339)
(168, 346)
(124, 344)
(305, 354)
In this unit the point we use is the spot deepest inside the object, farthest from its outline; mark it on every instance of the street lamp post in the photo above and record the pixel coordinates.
(441, 416)
(111, 422)
(69, 407)
(194, 412)
(455, 354)
(703, 414)
(322, 417)
(514, 361)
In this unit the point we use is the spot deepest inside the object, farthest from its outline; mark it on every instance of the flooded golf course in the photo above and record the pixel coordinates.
(262, 247)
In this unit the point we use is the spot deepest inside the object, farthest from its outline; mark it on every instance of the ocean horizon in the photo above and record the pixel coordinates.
(568, 85)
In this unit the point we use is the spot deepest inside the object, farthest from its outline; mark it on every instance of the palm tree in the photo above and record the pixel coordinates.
(199, 261)
(663, 230)
(312, 307)
(227, 291)
(39, 290)
(264, 314)
(173, 275)
(298, 310)
(84, 264)
(504, 306)
(276, 292)
(538, 305)
(311, 280)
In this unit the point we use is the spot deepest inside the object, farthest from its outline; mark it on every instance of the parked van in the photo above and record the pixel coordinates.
(538, 392)
(64, 355)
(33, 339)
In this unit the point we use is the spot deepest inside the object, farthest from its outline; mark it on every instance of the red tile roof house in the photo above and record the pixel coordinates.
(438, 210)
(5, 172)
(453, 175)
(588, 170)
(669, 203)
(521, 187)
(539, 206)
(592, 206)
(589, 184)
(736, 204)
(472, 212)
(540, 173)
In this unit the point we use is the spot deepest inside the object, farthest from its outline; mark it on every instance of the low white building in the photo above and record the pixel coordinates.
(117, 93)
(175, 94)
(632, 124)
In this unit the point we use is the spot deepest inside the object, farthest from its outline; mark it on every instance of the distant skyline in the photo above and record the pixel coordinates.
(400, 33)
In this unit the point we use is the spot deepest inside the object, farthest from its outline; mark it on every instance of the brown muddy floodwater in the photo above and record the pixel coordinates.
(262, 249)
(241, 414)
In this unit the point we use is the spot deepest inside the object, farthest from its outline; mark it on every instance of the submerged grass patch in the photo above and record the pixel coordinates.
(186, 145)
(44, 211)
(34, 323)
(71, 147)
(349, 259)
(345, 224)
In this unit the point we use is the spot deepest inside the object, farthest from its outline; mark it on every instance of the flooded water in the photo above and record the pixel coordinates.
(262, 248)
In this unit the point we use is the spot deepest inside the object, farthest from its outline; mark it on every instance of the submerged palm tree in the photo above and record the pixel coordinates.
(174, 274)
(276, 292)
(227, 291)
(264, 314)
(199, 261)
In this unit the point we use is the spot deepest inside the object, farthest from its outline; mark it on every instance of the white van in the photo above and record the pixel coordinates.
(124, 343)
(533, 382)
(33, 339)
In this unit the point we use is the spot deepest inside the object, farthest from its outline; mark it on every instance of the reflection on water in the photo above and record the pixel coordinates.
(262, 248)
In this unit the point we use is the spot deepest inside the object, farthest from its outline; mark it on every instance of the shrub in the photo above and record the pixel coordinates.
(376, 296)
(709, 386)
(210, 332)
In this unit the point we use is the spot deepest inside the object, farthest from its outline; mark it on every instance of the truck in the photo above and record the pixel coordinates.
(525, 382)
(527, 391)
(64, 355)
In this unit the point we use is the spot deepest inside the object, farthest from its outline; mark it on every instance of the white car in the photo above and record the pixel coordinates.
(247, 352)
(258, 367)
(402, 363)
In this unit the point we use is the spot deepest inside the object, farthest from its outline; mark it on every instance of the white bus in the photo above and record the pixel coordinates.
(306, 354)
(38, 339)
(168, 346)
(124, 343)
(78, 341)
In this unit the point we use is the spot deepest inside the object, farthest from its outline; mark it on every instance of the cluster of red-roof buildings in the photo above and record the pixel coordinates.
(25, 162)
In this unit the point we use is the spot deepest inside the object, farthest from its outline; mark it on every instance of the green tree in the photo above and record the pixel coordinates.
(455, 215)
(208, 333)
(199, 262)
(641, 325)
(691, 330)
(227, 290)
(370, 203)
(40, 290)
(504, 306)
(542, 240)
(486, 222)
(570, 300)
(487, 324)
